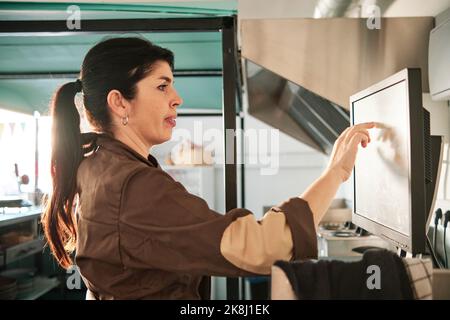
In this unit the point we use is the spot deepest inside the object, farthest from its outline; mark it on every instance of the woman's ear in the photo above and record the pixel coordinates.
(117, 104)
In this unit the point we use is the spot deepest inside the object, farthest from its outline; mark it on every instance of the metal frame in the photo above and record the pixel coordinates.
(226, 25)
(50, 27)
(122, 7)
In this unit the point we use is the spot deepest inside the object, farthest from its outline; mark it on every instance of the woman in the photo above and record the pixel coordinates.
(138, 233)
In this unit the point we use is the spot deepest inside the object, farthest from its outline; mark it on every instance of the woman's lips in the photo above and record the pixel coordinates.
(171, 121)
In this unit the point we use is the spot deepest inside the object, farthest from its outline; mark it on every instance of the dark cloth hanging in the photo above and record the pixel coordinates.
(322, 279)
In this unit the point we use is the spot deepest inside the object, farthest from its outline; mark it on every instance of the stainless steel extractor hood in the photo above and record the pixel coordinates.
(301, 72)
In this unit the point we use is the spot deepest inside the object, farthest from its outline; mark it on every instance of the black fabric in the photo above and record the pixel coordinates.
(312, 279)
(153, 160)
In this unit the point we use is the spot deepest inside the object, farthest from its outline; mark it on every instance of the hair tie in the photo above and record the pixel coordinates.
(78, 85)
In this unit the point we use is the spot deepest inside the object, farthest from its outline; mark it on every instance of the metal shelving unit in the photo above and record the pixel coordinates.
(226, 25)
(14, 253)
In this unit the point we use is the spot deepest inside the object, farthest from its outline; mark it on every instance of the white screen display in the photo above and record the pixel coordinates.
(382, 179)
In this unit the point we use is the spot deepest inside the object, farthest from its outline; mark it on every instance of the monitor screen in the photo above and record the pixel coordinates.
(381, 175)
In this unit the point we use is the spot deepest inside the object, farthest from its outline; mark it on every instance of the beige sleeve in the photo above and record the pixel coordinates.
(255, 245)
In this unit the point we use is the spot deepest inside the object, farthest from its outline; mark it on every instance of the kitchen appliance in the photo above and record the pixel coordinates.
(339, 238)
(300, 72)
(345, 240)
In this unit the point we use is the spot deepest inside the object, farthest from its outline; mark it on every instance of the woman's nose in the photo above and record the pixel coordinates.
(177, 101)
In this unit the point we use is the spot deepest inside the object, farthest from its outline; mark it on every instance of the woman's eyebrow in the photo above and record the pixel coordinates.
(165, 78)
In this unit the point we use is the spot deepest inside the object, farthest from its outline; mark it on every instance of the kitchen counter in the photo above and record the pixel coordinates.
(13, 216)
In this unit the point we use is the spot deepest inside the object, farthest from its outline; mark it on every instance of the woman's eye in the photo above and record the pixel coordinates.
(162, 87)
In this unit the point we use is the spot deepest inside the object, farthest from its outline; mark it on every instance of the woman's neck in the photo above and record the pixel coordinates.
(133, 141)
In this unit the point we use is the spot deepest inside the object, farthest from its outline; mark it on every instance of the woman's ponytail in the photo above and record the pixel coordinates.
(58, 219)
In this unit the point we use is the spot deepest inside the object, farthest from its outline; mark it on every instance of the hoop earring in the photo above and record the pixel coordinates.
(125, 120)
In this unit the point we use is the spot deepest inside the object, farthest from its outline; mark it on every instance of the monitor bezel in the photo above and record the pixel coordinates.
(415, 242)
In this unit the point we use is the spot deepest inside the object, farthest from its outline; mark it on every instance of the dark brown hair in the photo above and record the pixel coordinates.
(117, 63)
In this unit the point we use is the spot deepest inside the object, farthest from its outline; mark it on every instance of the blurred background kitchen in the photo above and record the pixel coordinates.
(31, 68)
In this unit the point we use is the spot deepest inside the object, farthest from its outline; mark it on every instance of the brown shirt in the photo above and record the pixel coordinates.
(141, 235)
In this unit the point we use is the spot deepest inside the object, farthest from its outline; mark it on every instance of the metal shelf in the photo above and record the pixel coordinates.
(21, 251)
(41, 286)
(13, 217)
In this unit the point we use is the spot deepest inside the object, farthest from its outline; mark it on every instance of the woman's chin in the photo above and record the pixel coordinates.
(163, 138)
(169, 135)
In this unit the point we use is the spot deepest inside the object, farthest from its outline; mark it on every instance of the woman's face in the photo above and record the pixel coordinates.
(153, 110)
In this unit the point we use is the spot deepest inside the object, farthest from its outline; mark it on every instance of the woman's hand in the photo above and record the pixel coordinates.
(320, 194)
(345, 148)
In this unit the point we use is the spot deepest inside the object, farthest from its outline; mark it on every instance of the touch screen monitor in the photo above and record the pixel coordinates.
(391, 173)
